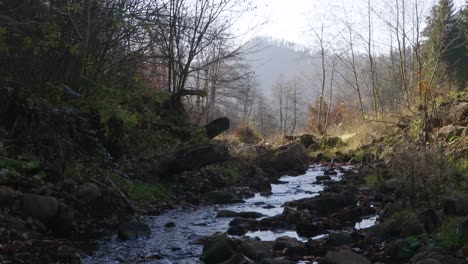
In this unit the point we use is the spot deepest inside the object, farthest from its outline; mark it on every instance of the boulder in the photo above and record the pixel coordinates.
(7, 196)
(307, 140)
(88, 192)
(308, 229)
(450, 130)
(431, 256)
(393, 228)
(197, 157)
(43, 208)
(64, 224)
(217, 127)
(332, 142)
(170, 224)
(326, 202)
(385, 230)
(339, 239)
(252, 215)
(257, 250)
(132, 230)
(259, 182)
(330, 172)
(399, 250)
(286, 242)
(239, 226)
(343, 257)
(219, 249)
(238, 258)
(323, 178)
(291, 158)
(226, 213)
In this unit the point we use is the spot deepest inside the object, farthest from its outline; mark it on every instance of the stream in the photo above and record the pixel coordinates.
(178, 244)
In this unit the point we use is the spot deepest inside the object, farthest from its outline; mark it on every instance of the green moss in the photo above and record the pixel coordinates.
(372, 180)
(18, 164)
(229, 170)
(11, 164)
(406, 215)
(145, 192)
(449, 236)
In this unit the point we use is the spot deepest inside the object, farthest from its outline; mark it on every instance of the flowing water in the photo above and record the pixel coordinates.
(178, 244)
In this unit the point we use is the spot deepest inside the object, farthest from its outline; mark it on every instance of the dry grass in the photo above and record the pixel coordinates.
(422, 174)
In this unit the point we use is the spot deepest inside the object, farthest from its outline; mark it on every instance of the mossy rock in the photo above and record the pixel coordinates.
(332, 142)
(218, 249)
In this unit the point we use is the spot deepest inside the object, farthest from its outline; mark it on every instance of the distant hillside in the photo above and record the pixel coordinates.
(274, 58)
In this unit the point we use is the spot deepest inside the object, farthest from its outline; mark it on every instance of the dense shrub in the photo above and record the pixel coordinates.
(246, 134)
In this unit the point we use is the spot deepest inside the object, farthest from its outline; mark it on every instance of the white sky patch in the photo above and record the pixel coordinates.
(293, 20)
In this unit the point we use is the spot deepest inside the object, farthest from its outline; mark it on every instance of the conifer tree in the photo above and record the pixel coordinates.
(441, 44)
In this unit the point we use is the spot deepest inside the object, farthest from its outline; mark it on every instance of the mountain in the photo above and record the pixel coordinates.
(272, 59)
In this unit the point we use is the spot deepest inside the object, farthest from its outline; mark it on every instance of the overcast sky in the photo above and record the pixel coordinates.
(292, 19)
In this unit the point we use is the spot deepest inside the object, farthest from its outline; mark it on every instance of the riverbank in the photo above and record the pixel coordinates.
(63, 182)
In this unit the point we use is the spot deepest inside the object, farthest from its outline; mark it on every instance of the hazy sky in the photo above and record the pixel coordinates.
(292, 19)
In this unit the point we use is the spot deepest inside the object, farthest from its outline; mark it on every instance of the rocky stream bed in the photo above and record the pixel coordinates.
(177, 236)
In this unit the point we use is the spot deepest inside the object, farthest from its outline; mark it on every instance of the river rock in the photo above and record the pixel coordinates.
(326, 202)
(393, 228)
(277, 261)
(88, 192)
(385, 230)
(259, 182)
(329, 172)
(399, 250)
(238, 258)
(338, 239)
(221, 197)
(219, 249)
(226, 213)
(257, 250)
(69, 254)
(63, 224)
(343, 257)
(253, 215)
(323, 178)
(239, 226)
(43, 208)
(286, 242)
(132, 230)
(308, 229)
(426, 256)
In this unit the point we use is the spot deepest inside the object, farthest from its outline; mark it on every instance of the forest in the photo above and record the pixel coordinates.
(168, 131)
